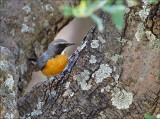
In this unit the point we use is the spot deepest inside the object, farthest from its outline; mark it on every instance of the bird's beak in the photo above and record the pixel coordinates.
(68, 44)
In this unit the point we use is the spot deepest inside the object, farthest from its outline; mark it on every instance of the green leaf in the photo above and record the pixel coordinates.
(98, 4)
(147, 116)
(118, 20)
(81, 8)
(84, 9)
(94, 5)
(88, 2)
(154, 1)
(118, 2)
(114, 8)
(117, 13)
(67, 11)
(109, 2)
(98, 21)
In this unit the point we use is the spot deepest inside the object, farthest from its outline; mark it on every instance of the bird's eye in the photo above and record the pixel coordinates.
(60, 44)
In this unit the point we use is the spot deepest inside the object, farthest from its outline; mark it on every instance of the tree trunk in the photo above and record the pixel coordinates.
(26, 29)
(113, 75)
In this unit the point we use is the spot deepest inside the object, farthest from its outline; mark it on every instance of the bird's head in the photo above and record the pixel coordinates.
(58, 45)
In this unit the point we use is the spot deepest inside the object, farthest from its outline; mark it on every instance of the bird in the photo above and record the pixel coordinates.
(53, 61)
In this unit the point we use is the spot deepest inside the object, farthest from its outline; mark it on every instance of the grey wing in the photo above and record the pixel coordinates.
(42, 60)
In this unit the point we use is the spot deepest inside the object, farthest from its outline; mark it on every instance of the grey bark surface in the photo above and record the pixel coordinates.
(111, 76)
(94, 85)
(83, 104)
(26, 29)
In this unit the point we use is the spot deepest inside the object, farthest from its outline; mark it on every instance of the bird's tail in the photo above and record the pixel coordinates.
(33, 59)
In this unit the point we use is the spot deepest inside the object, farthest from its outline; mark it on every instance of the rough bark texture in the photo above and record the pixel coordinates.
(112, 75)
(26, 29)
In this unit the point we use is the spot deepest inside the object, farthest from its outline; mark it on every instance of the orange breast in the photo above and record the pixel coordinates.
(55, 65)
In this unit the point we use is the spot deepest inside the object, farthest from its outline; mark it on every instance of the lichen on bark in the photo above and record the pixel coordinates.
(131, 67)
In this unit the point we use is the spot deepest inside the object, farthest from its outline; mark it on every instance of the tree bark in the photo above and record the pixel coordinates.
(27, 27)
(113, 75)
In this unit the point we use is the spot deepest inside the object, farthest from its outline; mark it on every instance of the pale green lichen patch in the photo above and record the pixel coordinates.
(107, 88)
(116, 77)
(26, 28)
(7, 92)
(72, 94)
(107, 55)
(122, 41)
(4, 65)
(154, 42)
(158, 116)
(125, 41)
(101, 115)
(49, 8)
(39, 105)
(147, 2)
(102, 90)
(27, 9)
(144, 12)
(150, 35)
(140, 34)
(129, 43)
(82, 79)
(101, 39)
(67, 85)
(116, 57)
(9, 115)
(131, 3)
(36, 113)
(9, 82)
(146, 9)
(121, 99)
(39, 109)
(93, 59)
(69, 93)
(103, 72)
(95, 44)
(5, 54)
